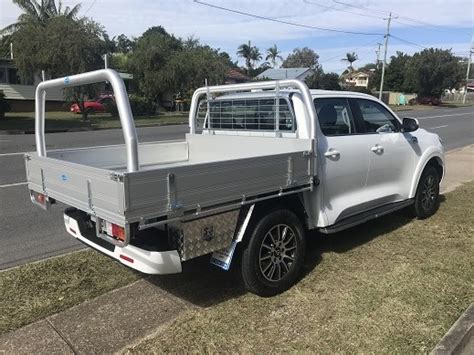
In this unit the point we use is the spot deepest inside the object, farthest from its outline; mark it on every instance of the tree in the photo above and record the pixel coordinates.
(260, 69)
(245, 51)
(123, 44)
(431, 71)
(369, 67)
(273, 54)
(255, 56)
(148, 62)
(395, 72)
(350, 58)
(72, 46)
(35, 12)
(302, 57)
(164, 64)
(320, 80)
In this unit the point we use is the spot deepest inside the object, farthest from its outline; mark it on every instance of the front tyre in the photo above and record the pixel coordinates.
(273, 258)
(427, 193)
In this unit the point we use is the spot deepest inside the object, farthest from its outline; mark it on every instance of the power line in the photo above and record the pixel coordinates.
(333, 8)
(408, 42)
(90, 7)
(354, 50)
(284, 22)
(385, 12)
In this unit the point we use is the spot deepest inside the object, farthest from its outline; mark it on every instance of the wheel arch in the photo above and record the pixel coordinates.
(257, 211)
(434, 159)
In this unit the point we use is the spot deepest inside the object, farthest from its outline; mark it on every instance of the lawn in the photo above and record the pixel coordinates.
(34, 291)
(394, 285)
(391, 285)
(63, 121)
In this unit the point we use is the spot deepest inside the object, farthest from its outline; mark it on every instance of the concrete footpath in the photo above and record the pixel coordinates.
(124, 316)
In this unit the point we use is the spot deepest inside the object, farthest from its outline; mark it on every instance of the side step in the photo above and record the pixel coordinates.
(366, 216)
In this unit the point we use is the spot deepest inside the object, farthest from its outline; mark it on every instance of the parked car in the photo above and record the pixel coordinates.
(94, 106)
(263, 164)
(425, 100)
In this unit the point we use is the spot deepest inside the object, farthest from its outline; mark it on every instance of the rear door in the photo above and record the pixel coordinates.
(391, 153)
(344, 159)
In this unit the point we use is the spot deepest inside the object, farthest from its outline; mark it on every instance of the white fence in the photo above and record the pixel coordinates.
(458, 97)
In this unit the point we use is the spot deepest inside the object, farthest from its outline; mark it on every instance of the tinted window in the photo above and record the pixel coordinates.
(376, 118)
(335, 117)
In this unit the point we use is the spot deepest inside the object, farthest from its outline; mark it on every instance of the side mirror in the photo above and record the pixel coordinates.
(410, 124)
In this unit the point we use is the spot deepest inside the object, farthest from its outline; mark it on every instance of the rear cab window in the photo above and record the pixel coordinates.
(256, 114)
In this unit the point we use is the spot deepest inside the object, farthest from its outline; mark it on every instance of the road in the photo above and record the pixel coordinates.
(29, 233)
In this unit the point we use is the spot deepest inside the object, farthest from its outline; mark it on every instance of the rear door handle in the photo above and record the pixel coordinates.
(377, 149)
(332, 153)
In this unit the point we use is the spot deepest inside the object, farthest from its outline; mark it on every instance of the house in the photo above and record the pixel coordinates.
(356, 79)
(285, 73)
(233, 76)
(20, 94)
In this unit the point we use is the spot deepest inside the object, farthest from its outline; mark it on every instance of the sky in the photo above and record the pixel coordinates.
(424, 23)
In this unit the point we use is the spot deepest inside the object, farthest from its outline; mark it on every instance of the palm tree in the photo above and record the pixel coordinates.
(255, 55)
(273, 54)
(350, 58)
(245, 51)
(39, 11)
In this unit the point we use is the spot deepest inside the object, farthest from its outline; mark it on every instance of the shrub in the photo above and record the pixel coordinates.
(111, 107)
(139, 105)
(4, 105)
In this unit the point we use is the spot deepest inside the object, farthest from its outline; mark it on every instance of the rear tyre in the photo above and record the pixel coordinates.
(427, 194)
(273, 258)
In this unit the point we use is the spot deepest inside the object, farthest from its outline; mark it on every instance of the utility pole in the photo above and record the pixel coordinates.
(106, 61)
(11, 50)
(385, 54)
(378, 55)
(468, 69)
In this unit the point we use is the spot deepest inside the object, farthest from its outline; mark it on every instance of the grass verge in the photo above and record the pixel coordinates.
(34, 291)
(392, 285)
(63, 121)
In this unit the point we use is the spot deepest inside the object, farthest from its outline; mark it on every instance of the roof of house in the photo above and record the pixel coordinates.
(283, 73)
(357, 73)
(235, 74)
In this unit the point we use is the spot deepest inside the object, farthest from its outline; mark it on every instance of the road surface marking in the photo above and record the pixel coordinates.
(15, 184)
(454, 114)
(437, 127)
(12, 154)
(95, 146)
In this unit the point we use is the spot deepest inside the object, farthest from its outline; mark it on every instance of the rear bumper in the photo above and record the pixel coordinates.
(148, 262)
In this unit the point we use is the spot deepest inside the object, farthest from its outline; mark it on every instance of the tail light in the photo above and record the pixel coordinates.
(114, 230)
(118, 232)
(40, 199)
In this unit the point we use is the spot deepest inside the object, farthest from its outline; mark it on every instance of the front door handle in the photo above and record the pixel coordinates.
(378, 149)
(332, 153)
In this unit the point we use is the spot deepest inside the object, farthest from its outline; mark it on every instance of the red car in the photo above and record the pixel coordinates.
(425, 100)
(96, 106)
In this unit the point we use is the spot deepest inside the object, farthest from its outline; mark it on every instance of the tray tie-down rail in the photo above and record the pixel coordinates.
(121, 100)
